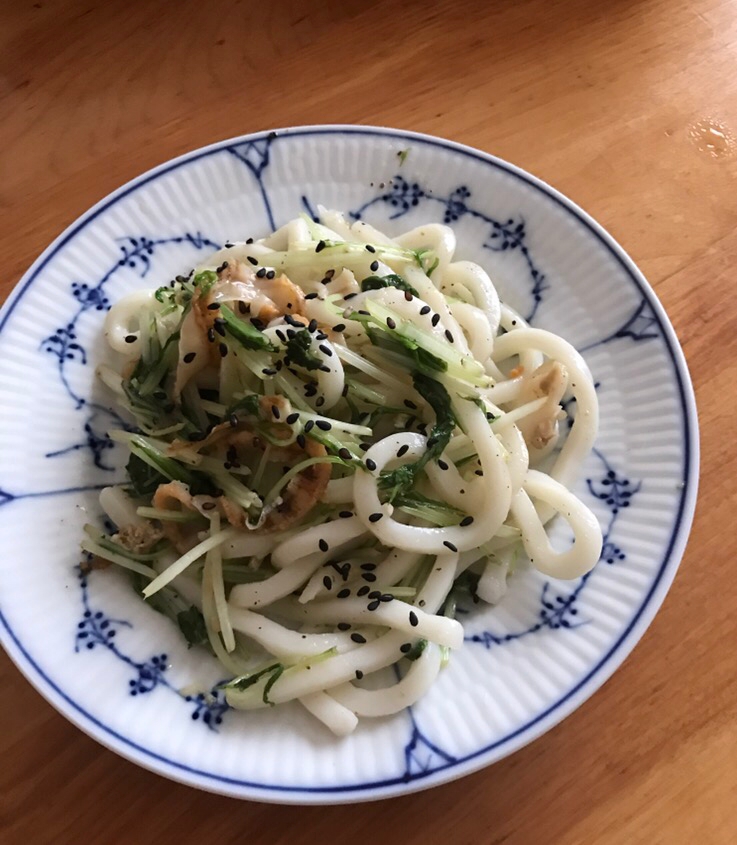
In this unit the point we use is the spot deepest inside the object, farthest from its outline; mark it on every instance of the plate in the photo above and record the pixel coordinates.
(121, 673)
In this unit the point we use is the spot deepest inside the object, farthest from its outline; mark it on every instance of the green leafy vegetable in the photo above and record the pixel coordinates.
(420, 358)
(402, 479)
(392, 280)
(245, 681)
(192, 624)
(144, 478)
(439, 513)
(248, 405)
(298, 350)
(416, 650)
(244, 332)
(204, 281)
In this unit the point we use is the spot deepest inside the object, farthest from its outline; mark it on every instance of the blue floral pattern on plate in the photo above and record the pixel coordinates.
(559, 611)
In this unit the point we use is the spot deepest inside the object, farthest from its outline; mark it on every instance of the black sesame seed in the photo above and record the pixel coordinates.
(309, 425)
(321, 336)
(408, 296)
(327, 582)
(343, 626)
(410, 404)
(242, 307)
(425, 310)
(370, 248)
(320, 401)
(276, 412)
(479, 472)
(269, 371)
(252, 259)
(413, 620)
(402, 450)
(208, 506)
(340, 327)
(310, 390)
(405, 647)
(386, 597)
(466, 521)
(326, 350)
(292, 418)
(213, 306)
(370, 464)
(301, 441)
(364, 447)
(349, 296)
(223, 348)
(435, 319)
(374, 266)
(130, 338)
(368, 567)
(233, 420)
(359, 674)
(270, 275)
(189, 357)
(323, 545)
(310, 296)
(363, 313)
(344, 454)
(345, 514)
(261, 273)
(324, 369)
(442, 464)
(361, 591)
(448, 336)
(312, 325)
(223, 266)
(329, 275)
(344, 593)
(375, 517)
(373, 605)
(323, 425)
(228, 245)
(320, 246)
(375, 594)
(391, 323)
(249, 241)
(368, 576)
(219, 326)
(257, 324)
(450, 545)
(358, 638)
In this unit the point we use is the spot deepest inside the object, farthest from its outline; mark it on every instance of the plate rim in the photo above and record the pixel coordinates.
(595, 678)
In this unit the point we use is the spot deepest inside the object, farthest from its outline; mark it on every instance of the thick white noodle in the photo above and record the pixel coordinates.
(581, 557)
(334, 715)
(581, 436)
(281, 641)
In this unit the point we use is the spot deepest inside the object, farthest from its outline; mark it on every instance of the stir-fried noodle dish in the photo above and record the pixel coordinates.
(336, 436)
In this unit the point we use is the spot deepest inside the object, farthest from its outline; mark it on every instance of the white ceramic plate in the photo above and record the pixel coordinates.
(120, 671)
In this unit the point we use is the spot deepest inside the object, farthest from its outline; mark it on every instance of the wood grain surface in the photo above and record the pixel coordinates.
(627, 107)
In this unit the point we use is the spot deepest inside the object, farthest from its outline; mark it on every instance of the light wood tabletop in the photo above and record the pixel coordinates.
(628, 107)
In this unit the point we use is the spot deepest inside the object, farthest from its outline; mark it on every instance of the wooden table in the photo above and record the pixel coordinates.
(626, 107)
